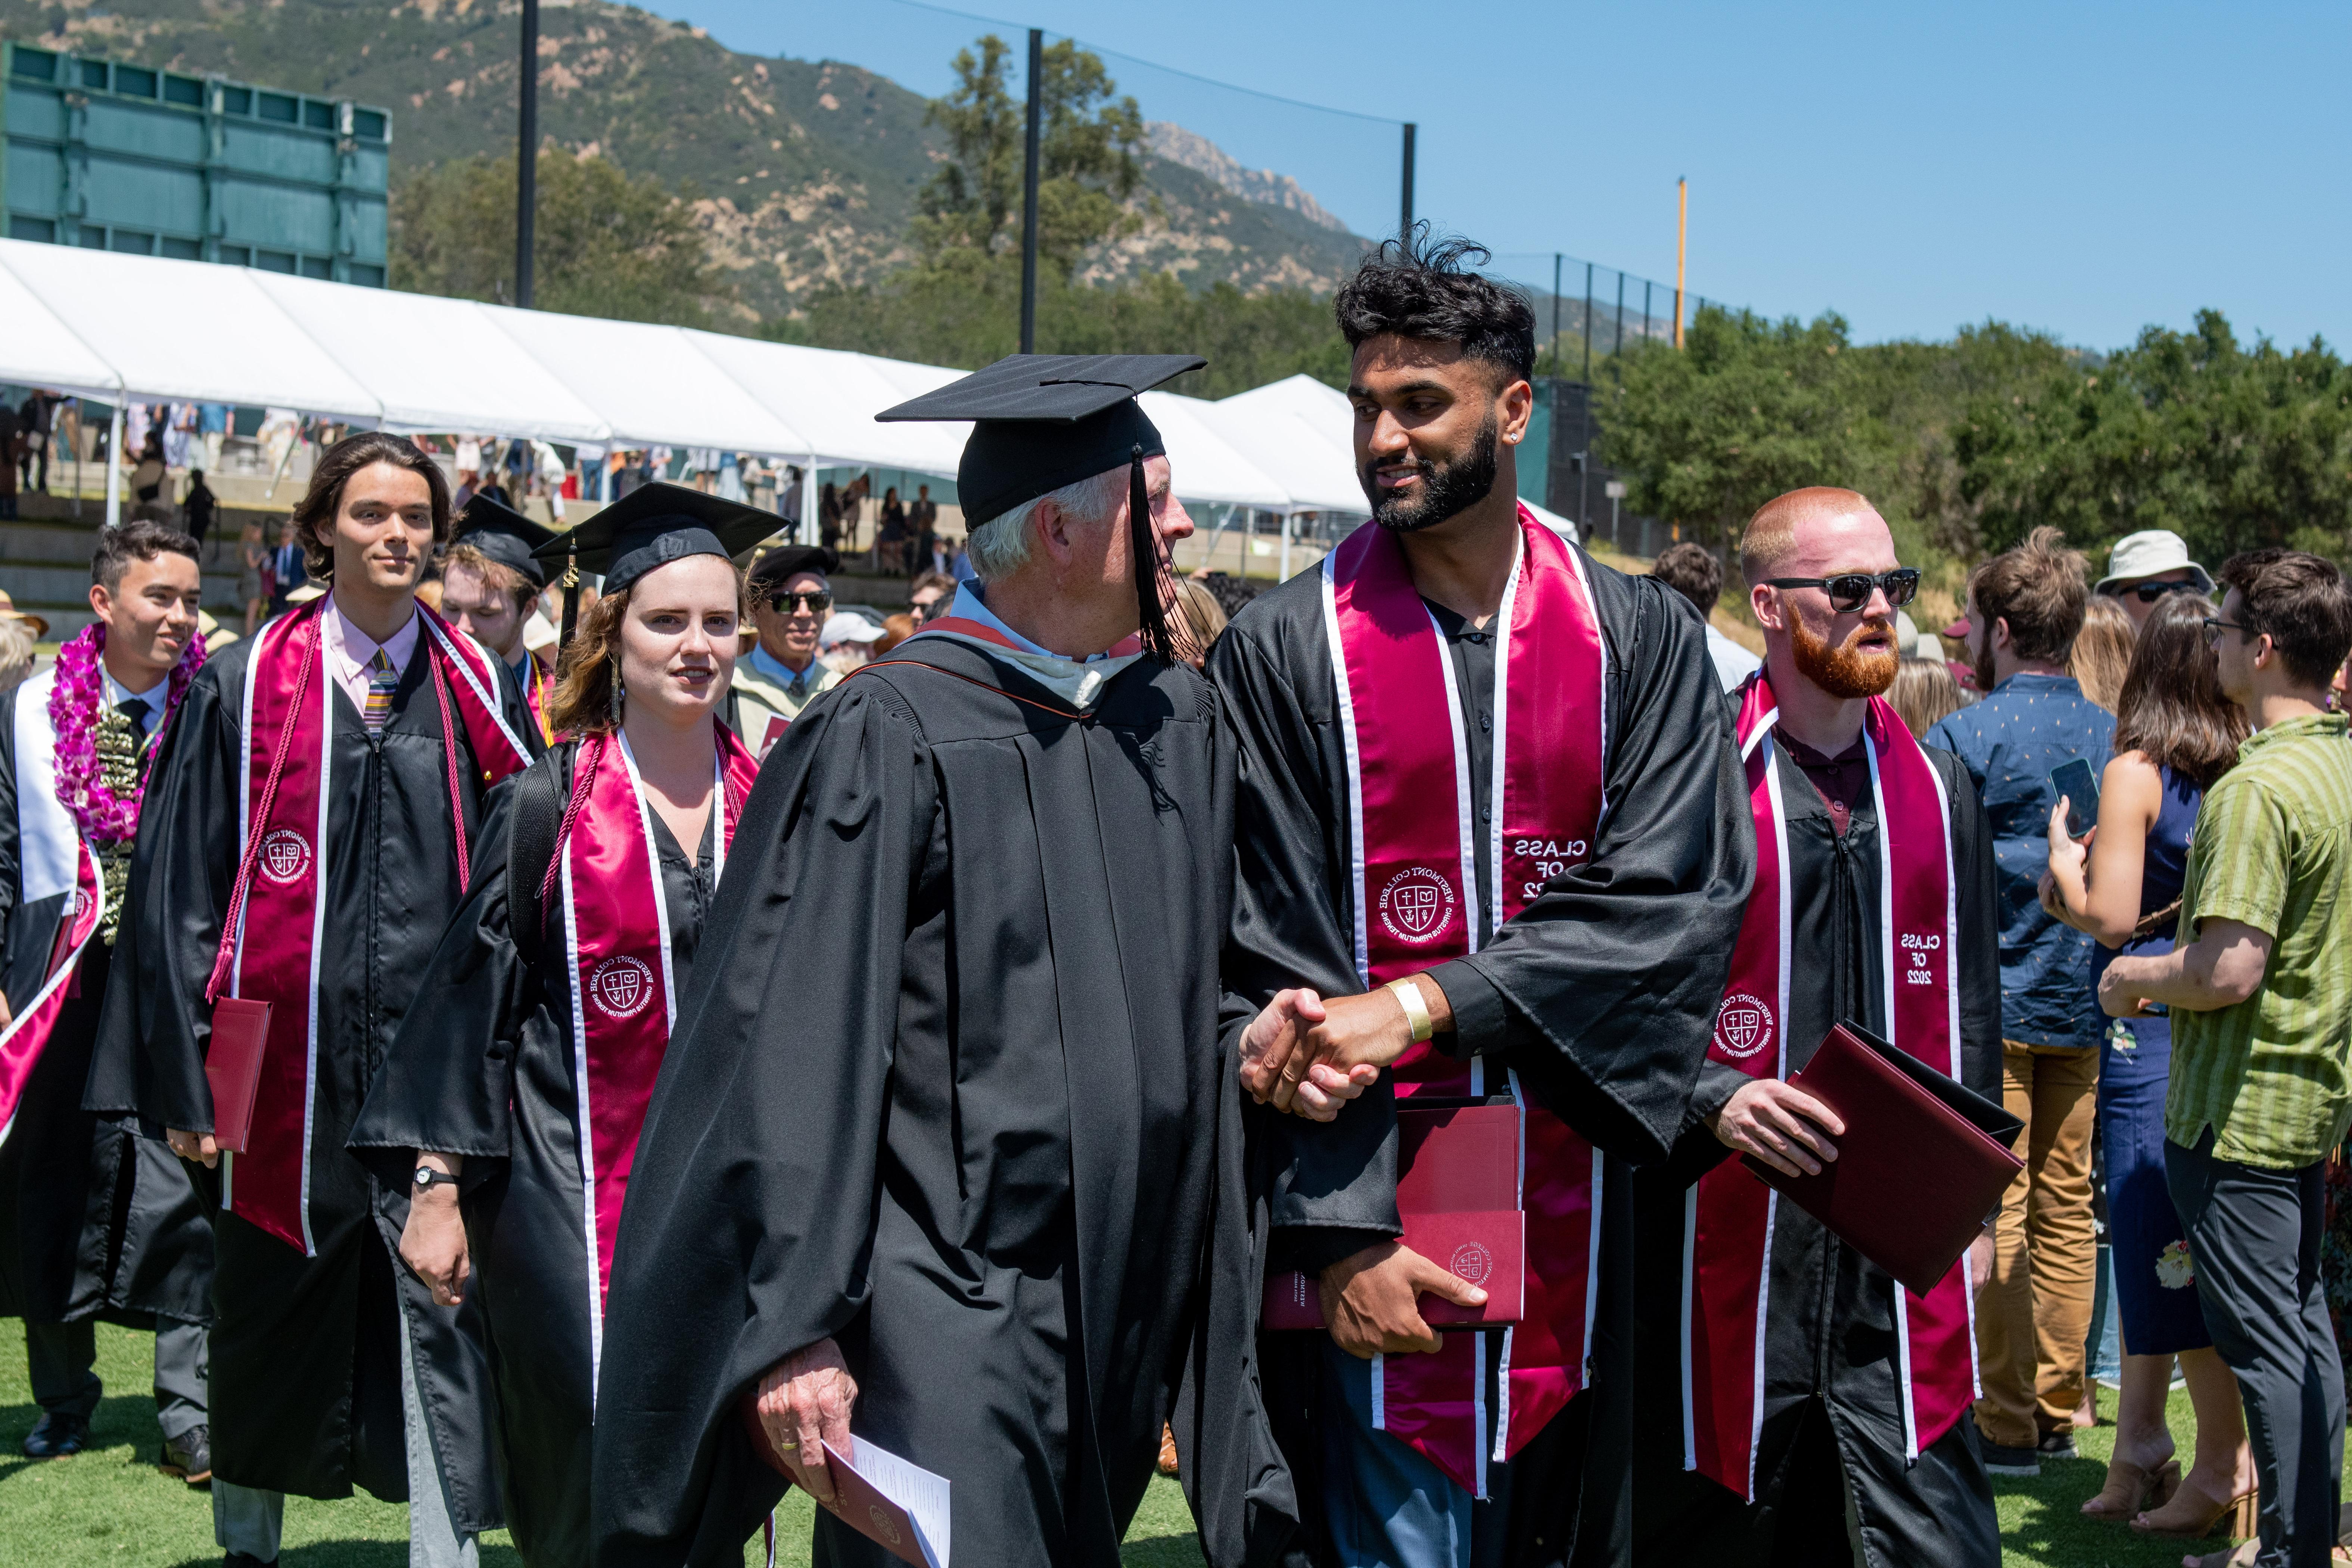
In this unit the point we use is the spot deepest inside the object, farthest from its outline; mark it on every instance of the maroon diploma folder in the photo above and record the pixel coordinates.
(1458, 1194)
(233, 1067)
(1922, 1163)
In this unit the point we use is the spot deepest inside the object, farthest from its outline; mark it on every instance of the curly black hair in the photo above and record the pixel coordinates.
(1417, 287)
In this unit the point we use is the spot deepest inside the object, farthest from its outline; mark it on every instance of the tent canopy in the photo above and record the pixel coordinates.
(475, 377)
(115, 326)
(186, 330)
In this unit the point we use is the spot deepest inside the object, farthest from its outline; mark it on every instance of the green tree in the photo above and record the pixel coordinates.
(1087, 148)
(1748, 409)
(2233, 448)
(604, 244)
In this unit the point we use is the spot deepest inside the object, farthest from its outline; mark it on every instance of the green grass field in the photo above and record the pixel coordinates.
(110, 1506)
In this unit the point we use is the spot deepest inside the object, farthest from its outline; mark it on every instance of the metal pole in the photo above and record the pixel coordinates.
(1588, 324)
(1404, 225)
(1285, 546)
(1554, 314)
(1617, 339)
(114, 469)
(1682, 251)
(80, 406)
(808, 502)
(527, 153)
(1646, 286)
(1030, 158)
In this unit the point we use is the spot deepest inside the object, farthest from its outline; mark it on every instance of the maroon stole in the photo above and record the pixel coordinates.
(27, 1034)
(616, 940)
(277, 906)
(1411, 802)
(1729, 1214)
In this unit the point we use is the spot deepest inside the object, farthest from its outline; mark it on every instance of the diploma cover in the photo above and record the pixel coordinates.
(1458, 1193)
(1924, 1158)
(233, 1068)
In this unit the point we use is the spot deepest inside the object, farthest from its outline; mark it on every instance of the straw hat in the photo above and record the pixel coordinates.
(9, 612)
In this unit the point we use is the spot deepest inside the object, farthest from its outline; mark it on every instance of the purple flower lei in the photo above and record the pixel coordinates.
(76, 700)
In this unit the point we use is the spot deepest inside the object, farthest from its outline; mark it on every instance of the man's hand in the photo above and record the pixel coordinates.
(1275, 1040)
(433, 1242)
(1980, 1262)
(2117, 999)
(1352, 1034)
(198, 1147)
(1780, 1124)
(1372, 1299)
(804, 1403)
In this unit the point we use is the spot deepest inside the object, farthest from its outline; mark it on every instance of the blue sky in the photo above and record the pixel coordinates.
(2088, 169)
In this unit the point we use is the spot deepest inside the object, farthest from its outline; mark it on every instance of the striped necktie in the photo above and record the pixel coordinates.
(381, 678)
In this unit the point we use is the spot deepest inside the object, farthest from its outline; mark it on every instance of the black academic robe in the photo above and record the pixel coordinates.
(305, 1351)
(1600, 995)
(489, 1073)
(1831, 1396)
(949, 1088)
(94, 1219)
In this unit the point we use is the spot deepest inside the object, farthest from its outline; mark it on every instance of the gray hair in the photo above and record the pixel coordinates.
(1000, 547)
(16, 652)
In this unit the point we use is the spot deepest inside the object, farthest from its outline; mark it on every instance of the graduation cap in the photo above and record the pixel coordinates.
(505, 535)
(1043, 421)
(652, 526)
(789, 561)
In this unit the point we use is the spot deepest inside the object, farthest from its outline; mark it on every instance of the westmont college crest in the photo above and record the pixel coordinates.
(1743, 1026)
(621, 987)
(1417, 905)
(285, 857)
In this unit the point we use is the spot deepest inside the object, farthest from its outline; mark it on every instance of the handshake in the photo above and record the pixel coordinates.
(1307, 1056)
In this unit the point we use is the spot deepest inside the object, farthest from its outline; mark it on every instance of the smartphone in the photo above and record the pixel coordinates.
(2080, 786)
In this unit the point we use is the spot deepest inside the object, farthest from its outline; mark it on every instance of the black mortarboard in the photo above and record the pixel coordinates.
(655, 524)
(505, 535)
(787, 561)
(1043, 421)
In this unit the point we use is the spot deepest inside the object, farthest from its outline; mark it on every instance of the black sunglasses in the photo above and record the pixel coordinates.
(2215, 626)
(2150, 592)
(817, 603)
(1850, 590)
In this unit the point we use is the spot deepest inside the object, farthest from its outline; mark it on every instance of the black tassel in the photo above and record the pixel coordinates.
(1159, 641)
(571, 606)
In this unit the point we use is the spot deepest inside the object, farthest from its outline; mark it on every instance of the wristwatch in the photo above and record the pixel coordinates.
(428, 1178)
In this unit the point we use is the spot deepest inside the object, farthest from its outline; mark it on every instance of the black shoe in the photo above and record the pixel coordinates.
(2058, 1443)
(56, 1436)
(190, 1456)
(2004, 1461)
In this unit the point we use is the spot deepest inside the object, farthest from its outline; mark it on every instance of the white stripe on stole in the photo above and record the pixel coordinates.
(244, 838)
(582, 1120)
(1886, 964)
(473, 676)
(1355, 780)
(318, 920)
(1952, 1017)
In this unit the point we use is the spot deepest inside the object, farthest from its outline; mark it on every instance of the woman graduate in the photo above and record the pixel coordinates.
(558, 980)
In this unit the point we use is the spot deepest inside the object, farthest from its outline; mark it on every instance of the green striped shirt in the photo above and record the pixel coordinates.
(2272, 848)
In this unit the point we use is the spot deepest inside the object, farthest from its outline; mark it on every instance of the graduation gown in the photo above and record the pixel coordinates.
(1600, 995)
(305, 1351)
(94, 1219)
(948, 1087)
(1829, 1375)
(490, 1073)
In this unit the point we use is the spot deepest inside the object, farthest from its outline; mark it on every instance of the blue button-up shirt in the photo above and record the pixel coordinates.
(2010, 742)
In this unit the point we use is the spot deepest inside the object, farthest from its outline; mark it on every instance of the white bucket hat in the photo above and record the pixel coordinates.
(2148, 552)
(848, 626)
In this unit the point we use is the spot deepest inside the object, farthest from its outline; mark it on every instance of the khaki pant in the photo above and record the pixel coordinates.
(2035, 1313)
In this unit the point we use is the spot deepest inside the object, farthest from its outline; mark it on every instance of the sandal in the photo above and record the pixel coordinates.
(2242, 1556)
(2193, 1511)
(2131, 1491)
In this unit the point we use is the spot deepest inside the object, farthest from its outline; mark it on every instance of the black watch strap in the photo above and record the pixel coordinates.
(426, 1178)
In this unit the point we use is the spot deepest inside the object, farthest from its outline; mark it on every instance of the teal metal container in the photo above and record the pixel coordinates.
(114, 157)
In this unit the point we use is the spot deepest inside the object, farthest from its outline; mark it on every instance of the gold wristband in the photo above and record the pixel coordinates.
(1416, 1011)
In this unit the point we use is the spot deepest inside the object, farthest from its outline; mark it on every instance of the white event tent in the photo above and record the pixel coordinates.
(121, 327)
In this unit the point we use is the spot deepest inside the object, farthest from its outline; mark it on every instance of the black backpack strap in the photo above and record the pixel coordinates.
(531, 844)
